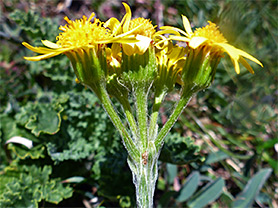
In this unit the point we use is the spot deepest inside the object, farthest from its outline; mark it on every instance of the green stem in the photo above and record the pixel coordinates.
(141, 110)
(144, 175)
(185, 98)
(154, 116)
(106, 102)
(130, 118)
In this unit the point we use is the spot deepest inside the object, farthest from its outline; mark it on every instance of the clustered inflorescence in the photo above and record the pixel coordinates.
(132, 62)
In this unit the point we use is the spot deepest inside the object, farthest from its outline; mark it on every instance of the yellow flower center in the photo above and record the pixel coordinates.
(211, 32)
(146, 28)
(82, 32)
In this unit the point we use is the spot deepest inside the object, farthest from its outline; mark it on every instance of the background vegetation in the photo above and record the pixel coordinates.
(221, 153)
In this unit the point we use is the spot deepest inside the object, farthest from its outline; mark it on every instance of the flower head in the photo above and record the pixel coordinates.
(213, 40)
(140, 28)
(84, 42)
(170, 62)
(77, 35)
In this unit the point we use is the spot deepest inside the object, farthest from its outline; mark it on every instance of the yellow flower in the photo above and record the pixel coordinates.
(77, 36)
(170, 62)
(139, 28)
(211, 39)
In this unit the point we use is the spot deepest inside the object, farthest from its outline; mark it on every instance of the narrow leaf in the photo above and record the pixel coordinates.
(189, 187)
(172, 172)
(207, 194)
(247, 196)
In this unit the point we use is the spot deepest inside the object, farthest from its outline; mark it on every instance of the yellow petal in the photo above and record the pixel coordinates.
(232, 52)
(179, 38)
(236, 53)
(143, 44)
(160, 41)
(186, 25)
(108, 52)
(129, 32)
(195, 42)
(129, 48)
(114, 25)
(42, 50)
(177, 53)
(126, 19)
(246, 65)
(168, 31)
(118, 39)
(246, 55)
(116, 49)
(173, 28)
(236, 65)
(50, 44)
(42, 57)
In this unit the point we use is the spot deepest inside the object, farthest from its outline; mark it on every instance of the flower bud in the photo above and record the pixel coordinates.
(200, 67)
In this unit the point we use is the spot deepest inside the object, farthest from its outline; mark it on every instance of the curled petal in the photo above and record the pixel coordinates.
(126, 19)
(167, 31)
(173, 29)
(114, 25)
(160, 42)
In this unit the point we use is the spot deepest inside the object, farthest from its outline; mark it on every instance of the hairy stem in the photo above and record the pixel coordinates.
(184, 100)
(154, 116)
(142, 115)
(130, 118)
(107, 104)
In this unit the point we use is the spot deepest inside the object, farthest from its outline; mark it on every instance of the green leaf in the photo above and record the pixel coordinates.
(179, 150)
(41, 117)
(74, 150)
(207, 194)
(32, 186)
(189, 187)
(172, 172)
(246, 198)
(22, 152)
(46, 120)
(212, 158)
(9, 128)
(215, 157)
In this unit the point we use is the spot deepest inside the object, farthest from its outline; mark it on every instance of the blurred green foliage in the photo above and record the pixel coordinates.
(221, 149)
